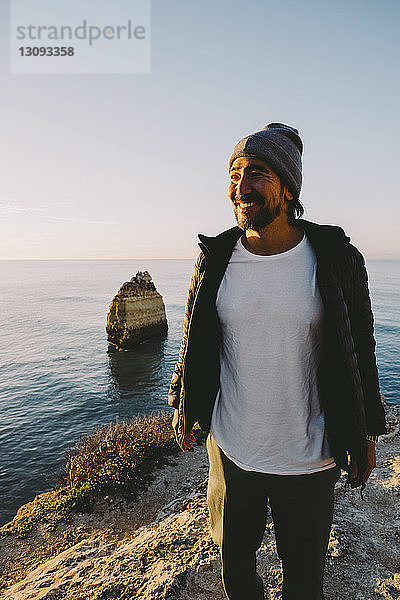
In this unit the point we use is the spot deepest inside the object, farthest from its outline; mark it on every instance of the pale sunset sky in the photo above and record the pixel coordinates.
(135, 165)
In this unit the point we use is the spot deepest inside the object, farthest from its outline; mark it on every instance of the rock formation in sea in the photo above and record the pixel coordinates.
(137, 312)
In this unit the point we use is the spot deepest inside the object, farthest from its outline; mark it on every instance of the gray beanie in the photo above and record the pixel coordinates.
(281, 148)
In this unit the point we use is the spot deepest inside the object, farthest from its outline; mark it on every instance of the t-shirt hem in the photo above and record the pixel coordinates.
(273, 471)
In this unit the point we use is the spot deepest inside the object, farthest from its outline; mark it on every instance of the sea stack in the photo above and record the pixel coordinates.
(137, 313)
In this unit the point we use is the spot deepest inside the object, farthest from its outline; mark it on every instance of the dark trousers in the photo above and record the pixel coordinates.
(302, 510)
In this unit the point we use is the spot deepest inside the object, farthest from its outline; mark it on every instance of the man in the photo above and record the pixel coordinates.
(277, 364)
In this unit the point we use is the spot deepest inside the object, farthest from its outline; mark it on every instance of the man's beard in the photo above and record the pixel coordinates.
(262, 217)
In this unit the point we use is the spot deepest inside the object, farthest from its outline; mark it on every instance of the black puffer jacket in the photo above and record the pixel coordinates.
(347, 375)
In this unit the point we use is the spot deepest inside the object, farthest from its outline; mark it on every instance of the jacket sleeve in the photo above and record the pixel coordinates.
(364, 341)
(176, 381)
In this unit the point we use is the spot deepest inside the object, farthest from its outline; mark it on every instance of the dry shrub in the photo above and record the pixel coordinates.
(118, 456)
(117, 459)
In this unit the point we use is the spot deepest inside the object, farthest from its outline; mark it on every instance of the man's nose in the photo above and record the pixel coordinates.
(243, 186)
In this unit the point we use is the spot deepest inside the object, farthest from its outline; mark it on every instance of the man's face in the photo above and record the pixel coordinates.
(256, 193)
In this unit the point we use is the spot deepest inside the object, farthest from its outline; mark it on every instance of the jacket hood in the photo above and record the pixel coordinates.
(326, 239)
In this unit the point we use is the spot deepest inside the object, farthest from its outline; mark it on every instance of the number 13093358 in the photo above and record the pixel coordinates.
(46, 51)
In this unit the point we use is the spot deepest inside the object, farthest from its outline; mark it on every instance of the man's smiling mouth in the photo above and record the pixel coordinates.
(246, 204)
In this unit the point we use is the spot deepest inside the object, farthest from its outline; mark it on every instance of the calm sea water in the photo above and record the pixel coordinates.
(58, 381)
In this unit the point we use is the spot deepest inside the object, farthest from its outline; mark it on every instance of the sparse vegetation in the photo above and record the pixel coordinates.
(116, 459)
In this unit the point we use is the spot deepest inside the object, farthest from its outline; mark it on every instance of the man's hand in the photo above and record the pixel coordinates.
(353, 475)
(189, 437)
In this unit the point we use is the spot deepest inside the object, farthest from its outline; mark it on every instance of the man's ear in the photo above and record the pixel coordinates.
(286, 194)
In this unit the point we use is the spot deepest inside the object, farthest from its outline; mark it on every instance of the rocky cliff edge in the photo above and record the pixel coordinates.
(158, 547)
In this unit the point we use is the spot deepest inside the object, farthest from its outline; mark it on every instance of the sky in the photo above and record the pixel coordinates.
(114, 166)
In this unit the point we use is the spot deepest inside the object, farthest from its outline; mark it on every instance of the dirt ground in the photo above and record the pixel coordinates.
(159, 547)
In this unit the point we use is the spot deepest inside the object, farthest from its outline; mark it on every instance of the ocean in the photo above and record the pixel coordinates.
(59, 381)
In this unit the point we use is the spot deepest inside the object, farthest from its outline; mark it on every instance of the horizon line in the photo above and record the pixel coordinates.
(138, 258)
(154, 258)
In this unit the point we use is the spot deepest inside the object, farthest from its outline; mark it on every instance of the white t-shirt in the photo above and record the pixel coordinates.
(267, 415)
